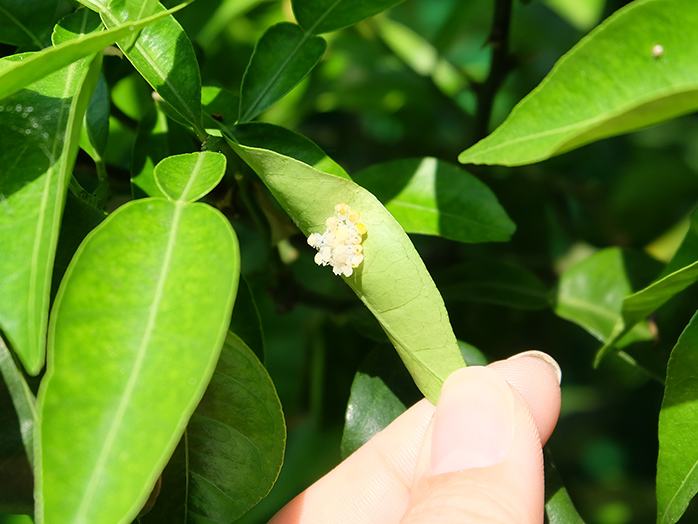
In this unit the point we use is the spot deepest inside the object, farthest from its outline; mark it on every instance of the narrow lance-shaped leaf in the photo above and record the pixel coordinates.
(136, 330)
(232, 449)
(432, 197)
(391, 281)
(674, 279)
(638, 68)
(281, 59)
(322, 16)
(677, 462)
(40, 129)
(162, 54)
(18, 74)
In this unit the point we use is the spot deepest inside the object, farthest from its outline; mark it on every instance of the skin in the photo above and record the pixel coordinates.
(413, 474)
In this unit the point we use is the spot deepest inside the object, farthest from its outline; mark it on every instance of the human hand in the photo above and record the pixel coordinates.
(475, 458)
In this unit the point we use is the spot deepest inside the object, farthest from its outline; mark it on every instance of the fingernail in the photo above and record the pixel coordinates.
(550, 361)
(473, 423)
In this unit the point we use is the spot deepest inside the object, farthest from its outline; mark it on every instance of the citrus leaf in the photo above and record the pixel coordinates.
(233, 447)
(322, 16)
(40, 129)
(189, 177)
(677, 471)
(281, 59)
(433, 197)
(136, 330)
(636, 69)
(26, 23)
(391, 281)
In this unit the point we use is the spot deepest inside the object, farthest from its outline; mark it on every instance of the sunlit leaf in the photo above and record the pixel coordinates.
(40, 129)
(433, 197)
(174, 175)
(321, 16)
(391, 281)
(32, 67)
(136, 330)
(281, 59)
(233, 446)
(677, 463)
(636, 69)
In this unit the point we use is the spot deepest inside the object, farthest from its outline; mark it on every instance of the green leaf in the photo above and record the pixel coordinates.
(219, 106)
(681, 272)
(677, 471)
(188, 178)
(433, 197)
(288, 143)
(614, 81)
(95, 129)
(246, 322)
(136, 330)
(163, 55)
(22, 398)
(40, 129)
(380, 392)
(233, 447)
(391, 281)
(580, 15)
(493, 282)
(472, 355)
(281, 59)
(26, 23)
(322, 16)
(559, 508)
(157, 138)
(591, 292)
(20, 73)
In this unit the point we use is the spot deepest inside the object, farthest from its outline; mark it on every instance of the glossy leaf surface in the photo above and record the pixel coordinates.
(677, 463)
(493, 282)
(233, 446)
(614, 81)
(95, 129)
(40, 129)
(163, 55)
(187, 178)
(391, 281)
(18, 74)
(281, 59)
(135, 334)
(321, 16)
(26, 23)
(591, 292)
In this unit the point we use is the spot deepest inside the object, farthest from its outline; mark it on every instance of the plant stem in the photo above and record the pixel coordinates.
(499, 68)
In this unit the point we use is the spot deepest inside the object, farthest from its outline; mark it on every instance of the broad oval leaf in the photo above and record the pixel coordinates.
(493, 282)
(233, 447)
(16, 75)
(322, 16)
(591, 293)
(433, 197)
(26, 23)
(638, 68)
(189, 177)
(40, 129)
(281, 59)
(677, 462)
(136, 330)
(391, 281)
(163, 55)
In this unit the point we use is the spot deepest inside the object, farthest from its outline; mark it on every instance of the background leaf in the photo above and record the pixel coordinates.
(677, 475)
(189, 177)
(281, 59)
(493, 282)
(559, 508)
(40, 127)
(322, 16)
(26, 23)
(391, 281)
(233, 446)
(123, 378)
(246, 322)
(610, 83)
(433, 197)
